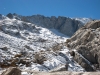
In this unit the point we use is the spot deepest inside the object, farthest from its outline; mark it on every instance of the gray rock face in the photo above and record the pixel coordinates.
(86, 41)
(70, 27)
(64, 25)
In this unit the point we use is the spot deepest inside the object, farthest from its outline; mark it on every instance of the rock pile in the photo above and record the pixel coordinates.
(86, 42)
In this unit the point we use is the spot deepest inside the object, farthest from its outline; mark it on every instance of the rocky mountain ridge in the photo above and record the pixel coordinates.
(65, 25)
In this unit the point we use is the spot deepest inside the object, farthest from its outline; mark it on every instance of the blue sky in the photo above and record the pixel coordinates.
(68, 8)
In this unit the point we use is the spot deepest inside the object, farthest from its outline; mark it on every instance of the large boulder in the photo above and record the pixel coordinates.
(86, 41)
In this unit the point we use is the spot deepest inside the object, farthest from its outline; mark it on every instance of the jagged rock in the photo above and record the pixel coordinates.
(10, 16)
(4, 48)
(57, 47)
(86, 41)
(39, 58)
(93, 25)
(12, 71)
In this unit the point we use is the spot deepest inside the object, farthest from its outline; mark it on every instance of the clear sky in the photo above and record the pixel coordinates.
(68, 8)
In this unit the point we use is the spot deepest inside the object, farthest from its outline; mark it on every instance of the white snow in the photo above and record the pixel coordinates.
(58, 33)
(25, 73)
(84, 20)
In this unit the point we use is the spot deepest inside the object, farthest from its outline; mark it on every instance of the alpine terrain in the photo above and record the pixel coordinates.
(34, 44)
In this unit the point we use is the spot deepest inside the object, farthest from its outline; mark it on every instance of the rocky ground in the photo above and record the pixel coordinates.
(16, 71)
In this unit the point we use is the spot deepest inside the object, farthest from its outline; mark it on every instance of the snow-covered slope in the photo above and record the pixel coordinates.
(83, 20)
(32, 48)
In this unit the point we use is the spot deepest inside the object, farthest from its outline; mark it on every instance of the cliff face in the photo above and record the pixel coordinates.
(86, 41)
(65, 25)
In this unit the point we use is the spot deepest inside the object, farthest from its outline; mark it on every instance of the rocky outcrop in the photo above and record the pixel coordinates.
(10, 16)
(86, 42)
